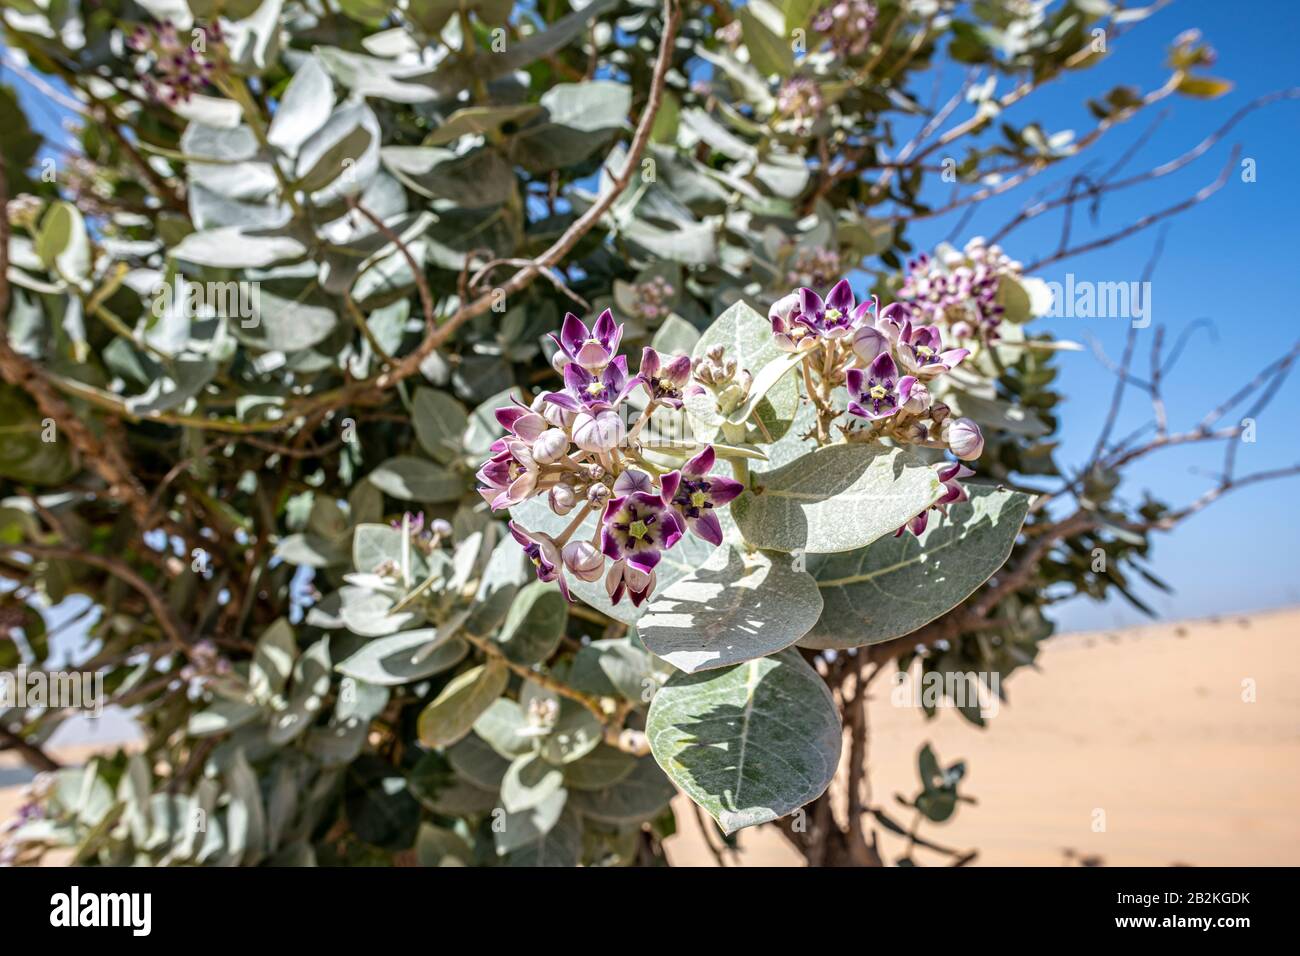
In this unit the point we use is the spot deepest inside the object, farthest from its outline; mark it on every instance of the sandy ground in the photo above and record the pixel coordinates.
(1148, 726)
(1127, 748)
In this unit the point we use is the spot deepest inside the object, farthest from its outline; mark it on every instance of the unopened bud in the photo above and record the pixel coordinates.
(562, 499)
(550, 446)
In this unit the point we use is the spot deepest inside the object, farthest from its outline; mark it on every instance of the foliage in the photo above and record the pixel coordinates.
(312, 251)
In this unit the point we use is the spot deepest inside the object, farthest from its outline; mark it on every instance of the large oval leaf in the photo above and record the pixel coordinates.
(748, 744)
(896, 585)
(736, 607)
(453, 712)
(404, 658)
(837, 498)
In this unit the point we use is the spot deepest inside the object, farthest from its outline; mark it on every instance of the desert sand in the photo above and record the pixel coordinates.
(1154, 727)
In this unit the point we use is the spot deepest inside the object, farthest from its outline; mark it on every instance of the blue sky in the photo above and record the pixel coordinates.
(1229, 260)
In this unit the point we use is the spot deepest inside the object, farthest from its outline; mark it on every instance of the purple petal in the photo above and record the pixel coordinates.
(649, 363)
(607, 331)
(883, 367)
(854, 380)
(573, 332)
(668, 485)
(707, 526)
(841, 297)
(810, 303)
(723, 490)
(701, 464)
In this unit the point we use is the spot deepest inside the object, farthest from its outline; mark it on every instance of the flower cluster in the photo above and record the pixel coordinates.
(847, 24)
(814, 266)
(573, 445)
(800, 99)
(654, 299)
(886, 359)
(959, 289)
(178, 70)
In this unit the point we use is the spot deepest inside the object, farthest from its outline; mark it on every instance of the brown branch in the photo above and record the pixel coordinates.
(1146, 221)
(36, 758)
(119, 569)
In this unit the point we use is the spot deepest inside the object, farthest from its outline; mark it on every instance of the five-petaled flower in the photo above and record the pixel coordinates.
(592, 348)
(696, 495)
(878, 392)
(801, 319)
(637, 528)
(664, 381)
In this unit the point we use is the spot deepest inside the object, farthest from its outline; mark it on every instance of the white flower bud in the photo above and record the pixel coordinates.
(965, 439)
(550, 446)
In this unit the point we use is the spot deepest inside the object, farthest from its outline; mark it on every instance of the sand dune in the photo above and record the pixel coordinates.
(1148, 726)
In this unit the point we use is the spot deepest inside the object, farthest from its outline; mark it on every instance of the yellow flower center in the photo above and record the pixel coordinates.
(878, 391)
(638, 530)
(699, 499)
(595, 388)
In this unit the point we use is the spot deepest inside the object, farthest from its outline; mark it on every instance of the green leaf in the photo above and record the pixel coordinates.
(534, 624)
(338, 149)
(528, 782)
(734, 608)
(476, 120)
(639, 795)
(750, 743)
(62, 242)
(896, 585)
(1204, 87)
(997, 414)
(505, 729)
(548, 835)
(439, 422)
(273, 659)
(600, 769)
(231, 247)
(474, 760)
(303, 109)
(838, 498)
(438, 846)
(404, 658)
(452, 713)
(770, 49)
(417, 479)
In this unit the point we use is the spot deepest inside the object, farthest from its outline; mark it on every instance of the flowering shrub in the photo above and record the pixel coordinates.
(474, 425)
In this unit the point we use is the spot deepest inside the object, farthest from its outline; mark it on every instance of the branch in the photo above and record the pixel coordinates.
(119, 569)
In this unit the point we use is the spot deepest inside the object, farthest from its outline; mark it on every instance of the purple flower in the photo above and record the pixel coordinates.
(810, 318)
(585, 390)
(509, 476)
(637, 527)
(624, 578)
(664, 381)
(696, 495)
(878, 392)
(521, 422)
(950, 475)
(921, 352)
(592, 348)
(544, 554)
